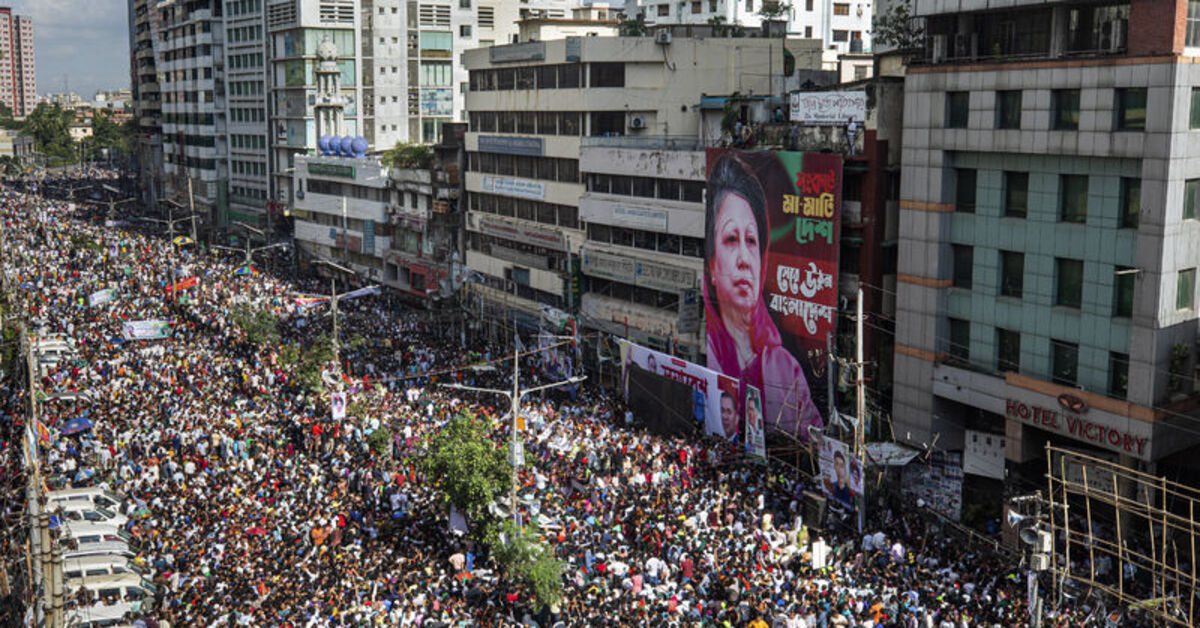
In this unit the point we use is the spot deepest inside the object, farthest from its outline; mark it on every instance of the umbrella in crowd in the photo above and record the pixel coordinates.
(249, 505)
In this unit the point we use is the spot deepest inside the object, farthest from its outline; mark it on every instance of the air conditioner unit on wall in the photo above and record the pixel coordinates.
(637, 122)
(662, 37)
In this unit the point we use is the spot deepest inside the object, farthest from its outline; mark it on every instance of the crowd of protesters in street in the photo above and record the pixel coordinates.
(251, 506)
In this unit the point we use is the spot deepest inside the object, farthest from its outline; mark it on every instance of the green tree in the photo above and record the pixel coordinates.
(380, 440)
(775, 10)
(50, 127)
(634, 26)
(718, 24)
(897, 27)
(107, 134)
(471, 472)
(306, 364)
(409, 156)
(260, 326)
(522, 559)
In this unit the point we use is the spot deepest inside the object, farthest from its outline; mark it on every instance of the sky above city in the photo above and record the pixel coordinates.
(82, 45)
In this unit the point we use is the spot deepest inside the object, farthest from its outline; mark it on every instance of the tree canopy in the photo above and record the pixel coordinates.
(471, 472)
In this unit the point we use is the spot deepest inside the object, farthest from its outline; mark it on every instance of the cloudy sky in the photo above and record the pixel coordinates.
(82, 42)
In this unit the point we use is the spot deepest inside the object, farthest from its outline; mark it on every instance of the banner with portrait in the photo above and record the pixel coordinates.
(770, 278)
(714, 400)
(841, 473)
(756, 435)
(145, 330)
(337, 406)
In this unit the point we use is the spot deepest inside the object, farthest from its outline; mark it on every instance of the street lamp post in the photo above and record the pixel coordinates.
(334, 297)
(516, 454)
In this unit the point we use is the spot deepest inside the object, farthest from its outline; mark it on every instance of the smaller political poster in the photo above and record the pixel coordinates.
(337, 406)
(756, 436)
(841, 474)
(100, 297)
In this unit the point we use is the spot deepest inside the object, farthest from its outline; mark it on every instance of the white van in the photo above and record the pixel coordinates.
(91, 566)
(104, 548)
(127, 587)
(82, 512)
(109, 616)
(90, 494)
(88, 530)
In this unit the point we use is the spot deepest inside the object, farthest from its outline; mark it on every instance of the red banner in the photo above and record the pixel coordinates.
(190, 282)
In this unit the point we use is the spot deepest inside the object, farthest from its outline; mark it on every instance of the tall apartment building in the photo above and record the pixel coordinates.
(1049, 221)
(190, 65)
(18, 74)
(843, 25)
(535, 107)
(145, 93)
(245, 65)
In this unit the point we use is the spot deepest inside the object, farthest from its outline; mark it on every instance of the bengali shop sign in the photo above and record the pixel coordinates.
(773, 221)
(828, 108)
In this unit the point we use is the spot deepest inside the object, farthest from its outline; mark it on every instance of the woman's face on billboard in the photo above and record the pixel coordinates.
(736, 267)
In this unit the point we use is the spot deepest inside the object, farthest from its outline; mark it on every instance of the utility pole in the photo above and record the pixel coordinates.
(333, 305)
(861, 401)
(192, 207)
(516, 453)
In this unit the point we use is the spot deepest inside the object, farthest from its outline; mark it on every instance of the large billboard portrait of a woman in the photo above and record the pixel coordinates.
(769, 292)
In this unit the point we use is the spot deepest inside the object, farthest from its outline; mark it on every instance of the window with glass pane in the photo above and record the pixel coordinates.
(1118, 374)
(960, 341)
(608, 74)
(1194, 117)
(964, 190)
(1016, 194)
(1191, 196)
(957, 109)
(1123, 279)
(1073, 198)
(1131, 202)
(1065, 106)
(1131, 109)
(1008, 109)
(1185, 289)
(1012, 273)
(964, 263)
(1008, 350)
(1193, 23)
(1064, 358)
(1068, 282)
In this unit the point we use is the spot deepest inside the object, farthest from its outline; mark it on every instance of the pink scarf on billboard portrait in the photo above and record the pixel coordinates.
(773, 370)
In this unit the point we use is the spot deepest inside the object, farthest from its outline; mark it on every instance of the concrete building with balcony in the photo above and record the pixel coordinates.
(18, 73)
(535, 106)
(843, 26)
(341, 212)
(190, 56)
(145, 94)
(643, 257)
(1049, 221)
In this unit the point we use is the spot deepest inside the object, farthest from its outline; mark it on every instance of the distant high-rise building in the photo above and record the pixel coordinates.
(18, 78)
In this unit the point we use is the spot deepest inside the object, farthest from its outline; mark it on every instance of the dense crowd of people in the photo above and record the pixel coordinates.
(258, 509)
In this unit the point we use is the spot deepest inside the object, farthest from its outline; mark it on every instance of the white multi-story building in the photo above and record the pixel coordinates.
(843, 25)
(536, 107)
(245, 100)
(191, 53)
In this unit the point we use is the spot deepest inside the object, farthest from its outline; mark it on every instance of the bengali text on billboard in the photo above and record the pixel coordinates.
(770, 278)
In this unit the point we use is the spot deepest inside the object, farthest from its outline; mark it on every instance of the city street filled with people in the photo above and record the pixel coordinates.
(243, 502)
